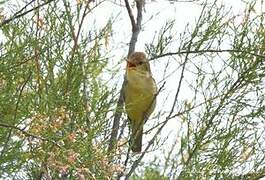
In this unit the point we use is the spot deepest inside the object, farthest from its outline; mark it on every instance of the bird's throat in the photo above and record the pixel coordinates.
(130, 65)
(139, 79)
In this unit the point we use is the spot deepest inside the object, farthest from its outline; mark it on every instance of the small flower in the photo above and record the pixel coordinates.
(72, 156)
(40, 22)
(72, 137)
(63, 169)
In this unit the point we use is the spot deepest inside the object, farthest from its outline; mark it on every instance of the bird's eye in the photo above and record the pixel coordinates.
(140, 63)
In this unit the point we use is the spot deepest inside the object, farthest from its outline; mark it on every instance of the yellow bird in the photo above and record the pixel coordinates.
(139, 95)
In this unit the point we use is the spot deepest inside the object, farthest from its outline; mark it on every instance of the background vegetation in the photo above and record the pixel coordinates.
(61, 114)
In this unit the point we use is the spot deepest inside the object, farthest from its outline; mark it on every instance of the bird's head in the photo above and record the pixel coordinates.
(138, 61)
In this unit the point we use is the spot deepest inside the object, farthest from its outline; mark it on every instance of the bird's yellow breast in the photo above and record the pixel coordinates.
(139, 92)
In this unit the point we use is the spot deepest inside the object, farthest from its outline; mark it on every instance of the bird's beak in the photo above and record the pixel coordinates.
(130, 65)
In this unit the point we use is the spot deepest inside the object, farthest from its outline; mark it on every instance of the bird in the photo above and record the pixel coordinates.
(139, 96)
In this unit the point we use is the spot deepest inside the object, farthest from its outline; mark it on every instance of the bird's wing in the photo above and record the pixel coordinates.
(125, 82)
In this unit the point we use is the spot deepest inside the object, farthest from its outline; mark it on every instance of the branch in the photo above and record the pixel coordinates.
(3, 125)
(129, 10)
(19, 129)
(252, 175)
(18, 15)
(24, 8)
(136, 27)
(207, 51)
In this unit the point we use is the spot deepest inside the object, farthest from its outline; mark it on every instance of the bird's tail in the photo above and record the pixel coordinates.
(136, 137)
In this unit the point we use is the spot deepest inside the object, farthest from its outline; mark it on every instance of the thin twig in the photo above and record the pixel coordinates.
(136, 28)
(207, 51)
(129, 10)
(22, 9)
(3, 125)
(17, 15)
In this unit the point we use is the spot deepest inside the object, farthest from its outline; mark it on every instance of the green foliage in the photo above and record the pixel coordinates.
(51, 88)
(150, 174)
(162, 42)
